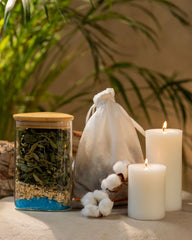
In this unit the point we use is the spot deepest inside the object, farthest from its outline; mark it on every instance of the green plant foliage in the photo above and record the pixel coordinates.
(44, 30)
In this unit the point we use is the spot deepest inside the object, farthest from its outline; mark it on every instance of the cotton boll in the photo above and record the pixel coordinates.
(126, 162)
(103, 185)
(99, 195)
(105, 206)
(88, 198)
(120, 167)
(112, 181)
(90, 211)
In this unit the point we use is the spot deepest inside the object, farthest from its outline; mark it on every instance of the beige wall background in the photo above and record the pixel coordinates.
(175, 55)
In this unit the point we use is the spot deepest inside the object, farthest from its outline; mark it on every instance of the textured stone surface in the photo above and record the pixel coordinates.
(22, 225)
(6, 168)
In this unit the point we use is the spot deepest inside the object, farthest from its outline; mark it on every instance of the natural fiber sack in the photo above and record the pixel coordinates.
(109, 136)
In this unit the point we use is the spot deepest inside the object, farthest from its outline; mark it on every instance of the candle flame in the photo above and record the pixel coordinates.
(146, 162)
(164, 126)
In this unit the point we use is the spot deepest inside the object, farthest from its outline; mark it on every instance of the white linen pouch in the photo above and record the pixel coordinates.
(109, 136)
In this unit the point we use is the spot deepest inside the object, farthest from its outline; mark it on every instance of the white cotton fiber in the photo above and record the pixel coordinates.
(103, 184)
(105, 206)
(126, 162)
(88, 198)
(111, 182)
(99, 195)
(121, 167)
(90, 211)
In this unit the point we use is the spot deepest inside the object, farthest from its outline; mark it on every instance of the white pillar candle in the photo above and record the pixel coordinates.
(146, 191)
(165, 146)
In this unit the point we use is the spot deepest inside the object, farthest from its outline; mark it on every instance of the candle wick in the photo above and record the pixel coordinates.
(164, 126)
(146, 162)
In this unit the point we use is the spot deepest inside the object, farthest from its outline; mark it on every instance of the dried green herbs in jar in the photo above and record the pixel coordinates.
(43, 161)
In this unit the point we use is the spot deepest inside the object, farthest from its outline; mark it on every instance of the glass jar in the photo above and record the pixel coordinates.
(43, 143)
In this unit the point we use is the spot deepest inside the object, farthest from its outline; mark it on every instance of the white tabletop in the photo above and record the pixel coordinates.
(26, 225)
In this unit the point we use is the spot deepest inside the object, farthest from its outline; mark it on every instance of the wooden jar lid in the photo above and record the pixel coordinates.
(43, 117)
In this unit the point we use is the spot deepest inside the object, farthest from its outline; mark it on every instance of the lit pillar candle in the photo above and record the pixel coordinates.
(146, 191)
(165, 146)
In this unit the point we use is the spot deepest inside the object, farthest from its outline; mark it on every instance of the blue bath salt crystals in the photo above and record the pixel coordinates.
(41, 204)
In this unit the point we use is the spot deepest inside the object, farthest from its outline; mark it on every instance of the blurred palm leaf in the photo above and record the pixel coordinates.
(45, 31)
(161, 88)
(8, 8)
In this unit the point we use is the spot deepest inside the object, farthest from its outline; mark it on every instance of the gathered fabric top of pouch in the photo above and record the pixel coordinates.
(99, 99)
(102, 97)
(108, 95)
